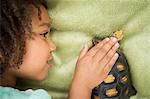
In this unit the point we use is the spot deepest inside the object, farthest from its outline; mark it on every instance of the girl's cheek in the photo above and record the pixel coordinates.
(35, 58)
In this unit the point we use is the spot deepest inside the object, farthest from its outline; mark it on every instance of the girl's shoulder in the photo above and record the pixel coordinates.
(11, 93)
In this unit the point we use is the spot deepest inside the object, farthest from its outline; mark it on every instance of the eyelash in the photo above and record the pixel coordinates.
(44, 34)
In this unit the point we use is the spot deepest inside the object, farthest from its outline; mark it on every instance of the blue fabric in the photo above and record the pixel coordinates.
(11, 93)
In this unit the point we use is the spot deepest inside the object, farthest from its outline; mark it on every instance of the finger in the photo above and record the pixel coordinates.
(104, 50)
(83, 51)
(109, 66)
(93, 50)
(109, 55)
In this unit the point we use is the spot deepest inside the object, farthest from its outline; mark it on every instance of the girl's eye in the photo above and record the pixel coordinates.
(44, 34)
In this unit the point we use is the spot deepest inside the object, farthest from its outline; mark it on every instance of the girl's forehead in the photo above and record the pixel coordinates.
(41, 18)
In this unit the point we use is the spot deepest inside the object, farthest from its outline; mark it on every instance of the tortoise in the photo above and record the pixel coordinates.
(118, 84)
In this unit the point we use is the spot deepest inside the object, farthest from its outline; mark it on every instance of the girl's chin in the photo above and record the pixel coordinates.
(44, 74)
(41, 78)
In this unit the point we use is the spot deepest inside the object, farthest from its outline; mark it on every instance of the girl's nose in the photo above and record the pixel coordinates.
(52, 46)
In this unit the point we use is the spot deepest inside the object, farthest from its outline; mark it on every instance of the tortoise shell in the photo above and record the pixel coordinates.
(118, 84)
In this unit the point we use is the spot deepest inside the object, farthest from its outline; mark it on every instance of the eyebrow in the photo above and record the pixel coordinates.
(45, 24)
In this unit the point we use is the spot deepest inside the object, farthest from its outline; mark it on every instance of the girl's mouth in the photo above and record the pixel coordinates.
(49, 61)
(49, 64)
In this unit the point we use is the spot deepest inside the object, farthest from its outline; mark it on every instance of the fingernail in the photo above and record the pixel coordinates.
(114, 39)
(85, 45)
(117, 45)
(107, 39)
(116, 55)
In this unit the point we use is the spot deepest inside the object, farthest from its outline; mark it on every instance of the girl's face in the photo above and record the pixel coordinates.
(38, 50)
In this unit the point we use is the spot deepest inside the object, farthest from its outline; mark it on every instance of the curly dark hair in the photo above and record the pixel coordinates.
(15, 21)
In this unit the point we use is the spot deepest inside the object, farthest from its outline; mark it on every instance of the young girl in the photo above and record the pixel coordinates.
(25, 49)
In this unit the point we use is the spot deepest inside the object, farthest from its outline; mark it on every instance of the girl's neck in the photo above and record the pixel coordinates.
(8, 80)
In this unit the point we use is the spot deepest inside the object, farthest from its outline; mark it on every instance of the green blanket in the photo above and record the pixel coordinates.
(77, 21)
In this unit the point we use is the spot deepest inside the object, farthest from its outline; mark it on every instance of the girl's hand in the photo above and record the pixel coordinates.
(93, 66)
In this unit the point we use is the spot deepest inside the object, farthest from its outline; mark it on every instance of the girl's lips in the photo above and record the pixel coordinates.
(50, 58)
(48, 63)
